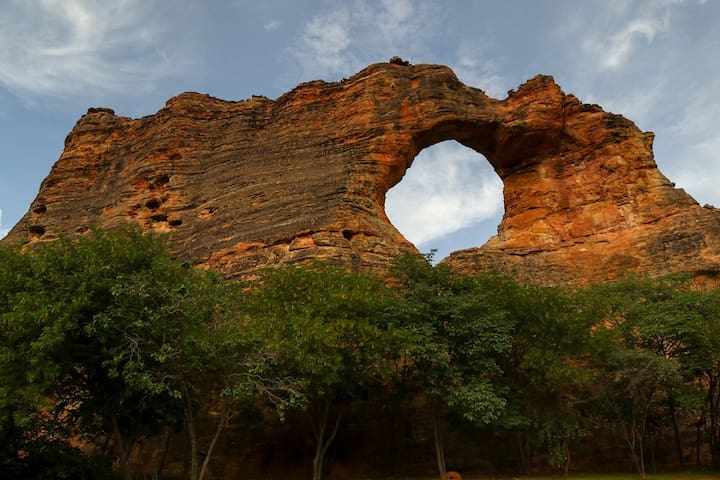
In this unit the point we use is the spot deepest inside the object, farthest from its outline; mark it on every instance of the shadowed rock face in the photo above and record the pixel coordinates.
(247, 184)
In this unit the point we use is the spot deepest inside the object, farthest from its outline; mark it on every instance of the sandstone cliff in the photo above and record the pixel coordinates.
(258, 182)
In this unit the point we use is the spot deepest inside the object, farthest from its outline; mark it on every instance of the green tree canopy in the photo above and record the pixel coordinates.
(330, 330)
(459, 330)
(115, 337)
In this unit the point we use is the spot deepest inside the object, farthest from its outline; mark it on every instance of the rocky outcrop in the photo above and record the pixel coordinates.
(258, 182)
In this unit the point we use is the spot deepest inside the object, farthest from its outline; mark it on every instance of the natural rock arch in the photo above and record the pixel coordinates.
(258, 182)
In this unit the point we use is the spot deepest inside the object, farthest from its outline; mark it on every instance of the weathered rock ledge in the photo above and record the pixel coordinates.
(259, 182)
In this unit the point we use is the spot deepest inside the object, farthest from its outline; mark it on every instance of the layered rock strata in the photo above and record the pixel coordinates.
(247, 184)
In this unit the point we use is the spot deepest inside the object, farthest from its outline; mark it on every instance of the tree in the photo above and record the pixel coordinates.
(701, 363)
(629, 394)
(646, 331)
(329, 330)
(118, 337)
(165, 335)
(459, 329)
(545, 372)
(49, 296)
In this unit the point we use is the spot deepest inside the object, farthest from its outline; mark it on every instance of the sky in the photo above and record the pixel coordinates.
(657, 62)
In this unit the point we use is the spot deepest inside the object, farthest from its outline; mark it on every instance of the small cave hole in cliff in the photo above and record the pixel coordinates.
(449, 199)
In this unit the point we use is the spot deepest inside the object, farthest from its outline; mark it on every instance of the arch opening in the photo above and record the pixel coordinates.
(449, 199)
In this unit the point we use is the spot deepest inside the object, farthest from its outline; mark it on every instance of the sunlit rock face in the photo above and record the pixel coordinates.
(248, 184)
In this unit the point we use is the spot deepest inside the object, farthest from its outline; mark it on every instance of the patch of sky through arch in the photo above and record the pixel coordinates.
(449, 199)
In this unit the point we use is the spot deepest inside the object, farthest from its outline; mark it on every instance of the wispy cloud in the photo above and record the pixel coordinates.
(475, 68)
(616, 49)
(324, 44)
(699, 170)
(342, 40)
(636, 102)
(654, 62)
(613, 34)
(448, 188)
(271, 25)
(697, 134)
(699, 116)
(3, 231)
(61, 47)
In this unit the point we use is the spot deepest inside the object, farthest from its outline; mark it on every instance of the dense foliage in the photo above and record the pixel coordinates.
(458, 331)
(333, 333)
(108, 340)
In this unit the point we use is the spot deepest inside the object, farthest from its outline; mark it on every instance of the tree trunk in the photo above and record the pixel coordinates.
(653, 462)
(713, 401)
(698, 438)
(319, 424)
(676, 430)
(631, 439)
(190, 425)
(121, 450)
(523, 452)
(141, 457)
(439, 444)
(106, 445)
(160, 461)
(642, 457)
(224, 417)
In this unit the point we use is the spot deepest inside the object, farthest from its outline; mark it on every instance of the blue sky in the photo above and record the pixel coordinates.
(655, 61)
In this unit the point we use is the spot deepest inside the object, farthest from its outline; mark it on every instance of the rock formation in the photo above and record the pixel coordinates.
(258, 182)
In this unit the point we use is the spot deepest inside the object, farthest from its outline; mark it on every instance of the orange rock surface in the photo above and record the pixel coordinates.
(243, 185)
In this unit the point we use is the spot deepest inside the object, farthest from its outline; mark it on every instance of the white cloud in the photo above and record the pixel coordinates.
(271, 25)
(637, 103)
(699, 174)
(613, 36)
(399, 10)
(449, 187)
(655, 62)
(700, 114)
(474, 68)
(341, 41)
(3, 231)
(618, 48)
(325, 39)
(61, 47)
(696, 135)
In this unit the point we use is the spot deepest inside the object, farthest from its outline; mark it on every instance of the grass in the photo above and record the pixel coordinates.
(599, 476)
(630, 476)
(614, 476)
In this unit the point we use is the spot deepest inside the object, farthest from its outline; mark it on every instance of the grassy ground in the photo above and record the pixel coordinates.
(593, 476)
(635, 476)
(630, 476)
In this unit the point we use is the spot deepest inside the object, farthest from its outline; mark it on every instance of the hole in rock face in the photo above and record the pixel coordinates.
(36, 231)
(153, 203)
(449, 199)
(161, 180)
